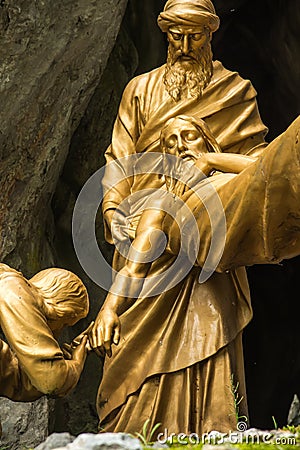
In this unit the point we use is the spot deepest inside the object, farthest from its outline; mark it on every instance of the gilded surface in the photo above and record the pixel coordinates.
(32, 314)
(179, 349)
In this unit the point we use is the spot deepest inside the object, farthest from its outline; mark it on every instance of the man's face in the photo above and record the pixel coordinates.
(182, 138)
(189, 65)
(186, 43)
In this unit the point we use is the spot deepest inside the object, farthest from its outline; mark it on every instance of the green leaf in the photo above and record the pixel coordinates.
(153, 430)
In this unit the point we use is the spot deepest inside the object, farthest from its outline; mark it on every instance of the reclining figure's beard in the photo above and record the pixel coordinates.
(188, 83)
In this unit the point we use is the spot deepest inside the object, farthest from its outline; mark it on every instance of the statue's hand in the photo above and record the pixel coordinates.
(116, 222)
(203, 164)
(108, 215)
(67, 350)
(76, 341)
(80, 352)
(105, 332)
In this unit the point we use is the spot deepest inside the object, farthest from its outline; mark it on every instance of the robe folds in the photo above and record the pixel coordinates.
(32, 364)
(228, 106)
(180, 351)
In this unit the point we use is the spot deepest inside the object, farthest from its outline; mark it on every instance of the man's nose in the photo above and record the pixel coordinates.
(185, 46)
(181, 144)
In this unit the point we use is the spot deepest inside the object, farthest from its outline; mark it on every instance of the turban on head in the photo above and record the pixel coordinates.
(191, 13)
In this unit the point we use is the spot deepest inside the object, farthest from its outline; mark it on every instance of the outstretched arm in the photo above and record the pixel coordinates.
(224, 162)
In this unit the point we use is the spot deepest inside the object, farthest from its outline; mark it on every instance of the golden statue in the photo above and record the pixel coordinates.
(180, 353)
(32, 315)
(187, 138)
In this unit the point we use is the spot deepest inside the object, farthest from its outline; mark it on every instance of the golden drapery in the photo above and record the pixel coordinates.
(228, 106)
(261, 207)
(33, 364)
(192, 329)
(194, 399)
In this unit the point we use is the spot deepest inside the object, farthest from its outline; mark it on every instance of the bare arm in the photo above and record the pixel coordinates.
(224, 162)
(129, 281)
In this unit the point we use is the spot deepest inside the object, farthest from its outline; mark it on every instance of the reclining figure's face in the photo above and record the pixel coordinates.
(181, 138)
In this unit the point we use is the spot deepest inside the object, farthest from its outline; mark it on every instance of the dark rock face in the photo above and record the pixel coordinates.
(52, 58)
(294, 412)
(261, 41)
(77, 413)
(24, 425)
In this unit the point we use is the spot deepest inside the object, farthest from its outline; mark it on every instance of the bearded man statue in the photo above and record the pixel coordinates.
(179, 361)
(189, 65)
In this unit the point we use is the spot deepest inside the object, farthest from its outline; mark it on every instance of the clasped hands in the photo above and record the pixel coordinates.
(79, 347)
(98, 337)
(105, 332)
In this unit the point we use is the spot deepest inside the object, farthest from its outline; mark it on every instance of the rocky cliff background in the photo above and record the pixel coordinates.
(63, 67)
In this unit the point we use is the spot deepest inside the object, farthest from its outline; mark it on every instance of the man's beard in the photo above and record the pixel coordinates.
(182, 82)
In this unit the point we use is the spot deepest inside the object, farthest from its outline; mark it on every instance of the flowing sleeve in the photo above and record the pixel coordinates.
(116, 182)
(235, 121)
(29, 336)
(14, 383)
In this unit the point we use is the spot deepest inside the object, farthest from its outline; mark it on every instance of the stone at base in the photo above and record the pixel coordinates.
(89, 441)
(24, 424)
(294, 412)
(56, 440)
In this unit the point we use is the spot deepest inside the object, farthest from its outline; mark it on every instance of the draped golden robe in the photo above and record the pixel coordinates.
(180, 350)
(33, 363)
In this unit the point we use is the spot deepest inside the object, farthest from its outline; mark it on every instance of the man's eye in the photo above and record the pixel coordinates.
(170, 143)
(196, 36)
(192, 136)
(177, 36)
